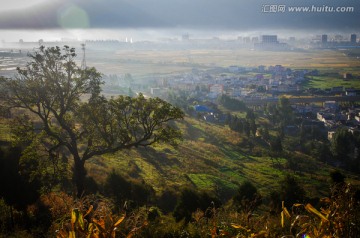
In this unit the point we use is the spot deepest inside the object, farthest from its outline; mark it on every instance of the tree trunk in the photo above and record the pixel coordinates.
(12, 222)
(79, 176)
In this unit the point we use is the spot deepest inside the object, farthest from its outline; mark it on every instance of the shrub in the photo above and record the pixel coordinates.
(189, 201)
(290, 191)
(125, 191)
(247, 197)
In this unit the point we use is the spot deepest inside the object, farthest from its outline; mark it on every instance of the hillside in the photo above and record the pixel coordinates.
(212, 158)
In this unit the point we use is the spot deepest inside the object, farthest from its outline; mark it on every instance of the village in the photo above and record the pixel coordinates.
(324, 110)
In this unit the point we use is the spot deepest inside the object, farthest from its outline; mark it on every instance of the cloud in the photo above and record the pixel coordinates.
(197, 14)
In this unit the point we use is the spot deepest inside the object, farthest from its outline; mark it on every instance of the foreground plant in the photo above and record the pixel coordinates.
(102, 227)
(339, 215)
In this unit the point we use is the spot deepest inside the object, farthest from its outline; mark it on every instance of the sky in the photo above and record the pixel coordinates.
(150, 15)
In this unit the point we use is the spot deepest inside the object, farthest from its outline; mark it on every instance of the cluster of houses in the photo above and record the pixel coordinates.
(334, 117)
(329, 117)
(236, 82)
(261, 82)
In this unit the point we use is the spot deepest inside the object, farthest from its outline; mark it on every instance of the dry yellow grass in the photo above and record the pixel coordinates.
(147, 63)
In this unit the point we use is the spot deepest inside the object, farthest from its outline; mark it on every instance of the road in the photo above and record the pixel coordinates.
(303, 100)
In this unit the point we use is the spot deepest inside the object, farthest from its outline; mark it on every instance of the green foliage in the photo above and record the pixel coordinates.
(52, 88)
(125, 122)
(342, 144)
(236, 124)
(246, 126)
(232, 104)
(49, 168)
(250, 117)
(284, 107)
(264, 132)
(319, 150)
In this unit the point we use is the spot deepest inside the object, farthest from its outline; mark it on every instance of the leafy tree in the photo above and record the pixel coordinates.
(285, 110)
(266, 134)
(342, 144)
(250, 117)
(247, 129)
(64, 105)
(236, 124)
(271, 111)
(319, 150)
(231, 103)
(276, 145)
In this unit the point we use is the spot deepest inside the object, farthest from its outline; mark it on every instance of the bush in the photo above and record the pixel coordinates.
(122, 190)
(189, 201)
(290, 191)
(247, 197)
(16, 189)
(167, 201)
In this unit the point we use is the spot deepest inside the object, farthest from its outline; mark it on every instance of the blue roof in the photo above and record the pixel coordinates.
(202, 108)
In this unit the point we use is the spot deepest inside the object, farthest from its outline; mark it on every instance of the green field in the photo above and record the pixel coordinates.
(324, 82)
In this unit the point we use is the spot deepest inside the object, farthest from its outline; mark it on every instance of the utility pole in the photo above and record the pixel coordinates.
(83, 63)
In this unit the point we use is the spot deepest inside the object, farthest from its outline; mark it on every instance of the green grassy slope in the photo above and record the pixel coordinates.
(211, 158)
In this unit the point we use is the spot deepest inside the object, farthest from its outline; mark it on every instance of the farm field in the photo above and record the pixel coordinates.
(157, 63)
(324, 82)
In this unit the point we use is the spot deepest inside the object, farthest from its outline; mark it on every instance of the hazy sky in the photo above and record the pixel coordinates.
(238, 15)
